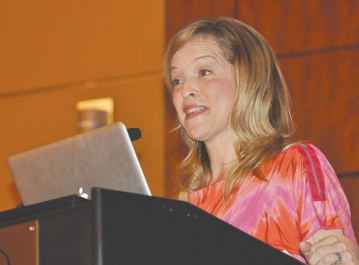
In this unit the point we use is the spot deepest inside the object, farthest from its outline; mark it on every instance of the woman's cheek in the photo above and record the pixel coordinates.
(176, 102)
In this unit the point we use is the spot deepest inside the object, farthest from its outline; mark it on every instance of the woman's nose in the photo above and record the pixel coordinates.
(189, 89)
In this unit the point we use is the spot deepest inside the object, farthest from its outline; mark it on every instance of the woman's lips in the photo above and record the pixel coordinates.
(194, 110)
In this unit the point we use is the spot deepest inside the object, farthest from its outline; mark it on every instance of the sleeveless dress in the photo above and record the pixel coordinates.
(281, 211)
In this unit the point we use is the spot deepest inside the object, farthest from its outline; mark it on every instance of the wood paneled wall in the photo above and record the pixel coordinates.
(56, 53)
(317, 43)
(318, 46)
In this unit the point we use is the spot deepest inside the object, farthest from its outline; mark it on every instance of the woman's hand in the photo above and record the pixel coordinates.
(331, 248)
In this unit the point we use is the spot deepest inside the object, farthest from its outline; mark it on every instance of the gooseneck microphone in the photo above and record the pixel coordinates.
(134, 133)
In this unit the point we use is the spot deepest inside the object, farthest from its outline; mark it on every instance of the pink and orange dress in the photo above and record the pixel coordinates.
(282, 211)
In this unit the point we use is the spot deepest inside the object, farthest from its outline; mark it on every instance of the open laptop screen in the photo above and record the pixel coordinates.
(103, 158)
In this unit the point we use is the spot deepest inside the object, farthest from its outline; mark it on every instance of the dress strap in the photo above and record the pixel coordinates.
(314, 171)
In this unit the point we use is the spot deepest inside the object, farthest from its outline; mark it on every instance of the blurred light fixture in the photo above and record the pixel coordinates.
(94, 113)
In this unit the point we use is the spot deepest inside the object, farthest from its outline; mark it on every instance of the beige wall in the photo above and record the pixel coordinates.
(56, 53)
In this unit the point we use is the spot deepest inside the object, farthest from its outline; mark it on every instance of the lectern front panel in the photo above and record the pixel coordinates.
(134, 229)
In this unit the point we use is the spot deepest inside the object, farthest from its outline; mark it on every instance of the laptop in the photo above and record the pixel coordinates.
(102, 158)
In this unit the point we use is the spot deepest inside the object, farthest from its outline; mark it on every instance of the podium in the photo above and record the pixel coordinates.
(123, 228)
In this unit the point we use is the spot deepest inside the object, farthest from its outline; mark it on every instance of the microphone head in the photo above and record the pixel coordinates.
(134, 133)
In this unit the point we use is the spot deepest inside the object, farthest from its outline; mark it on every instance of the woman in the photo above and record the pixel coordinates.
(234, 112)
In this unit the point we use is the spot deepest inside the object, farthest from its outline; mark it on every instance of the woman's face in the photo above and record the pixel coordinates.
(204, 89)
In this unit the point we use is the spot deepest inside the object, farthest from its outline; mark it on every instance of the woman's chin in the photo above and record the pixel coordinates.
(196, 136)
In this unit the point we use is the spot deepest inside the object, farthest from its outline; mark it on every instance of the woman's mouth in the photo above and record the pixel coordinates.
(190, 112)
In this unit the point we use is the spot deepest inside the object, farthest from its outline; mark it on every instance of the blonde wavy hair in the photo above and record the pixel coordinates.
(261, 117)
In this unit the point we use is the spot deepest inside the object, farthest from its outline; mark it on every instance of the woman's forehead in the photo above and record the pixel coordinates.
(198, 46)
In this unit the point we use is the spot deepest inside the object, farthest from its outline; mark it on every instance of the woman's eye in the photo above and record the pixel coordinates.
(204, 72)
(176, 82)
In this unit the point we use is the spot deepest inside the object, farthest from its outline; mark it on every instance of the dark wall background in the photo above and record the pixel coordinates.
(317, 43)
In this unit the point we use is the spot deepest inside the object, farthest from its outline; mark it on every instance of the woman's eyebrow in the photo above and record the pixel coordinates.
(205, 57)
(173, 68)
(198, 59)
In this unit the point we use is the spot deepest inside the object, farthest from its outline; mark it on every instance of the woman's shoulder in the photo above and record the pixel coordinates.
(300, 157)
(315, 165)
(292, 154)
(296, 145)
(304, 149)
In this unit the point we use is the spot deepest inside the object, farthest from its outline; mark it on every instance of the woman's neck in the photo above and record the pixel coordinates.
(222, 156)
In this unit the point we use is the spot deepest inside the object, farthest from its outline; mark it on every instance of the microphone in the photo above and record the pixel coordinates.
(134, 133)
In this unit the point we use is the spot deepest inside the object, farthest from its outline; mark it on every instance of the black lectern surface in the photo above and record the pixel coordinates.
(134, 229)
(33, 211)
